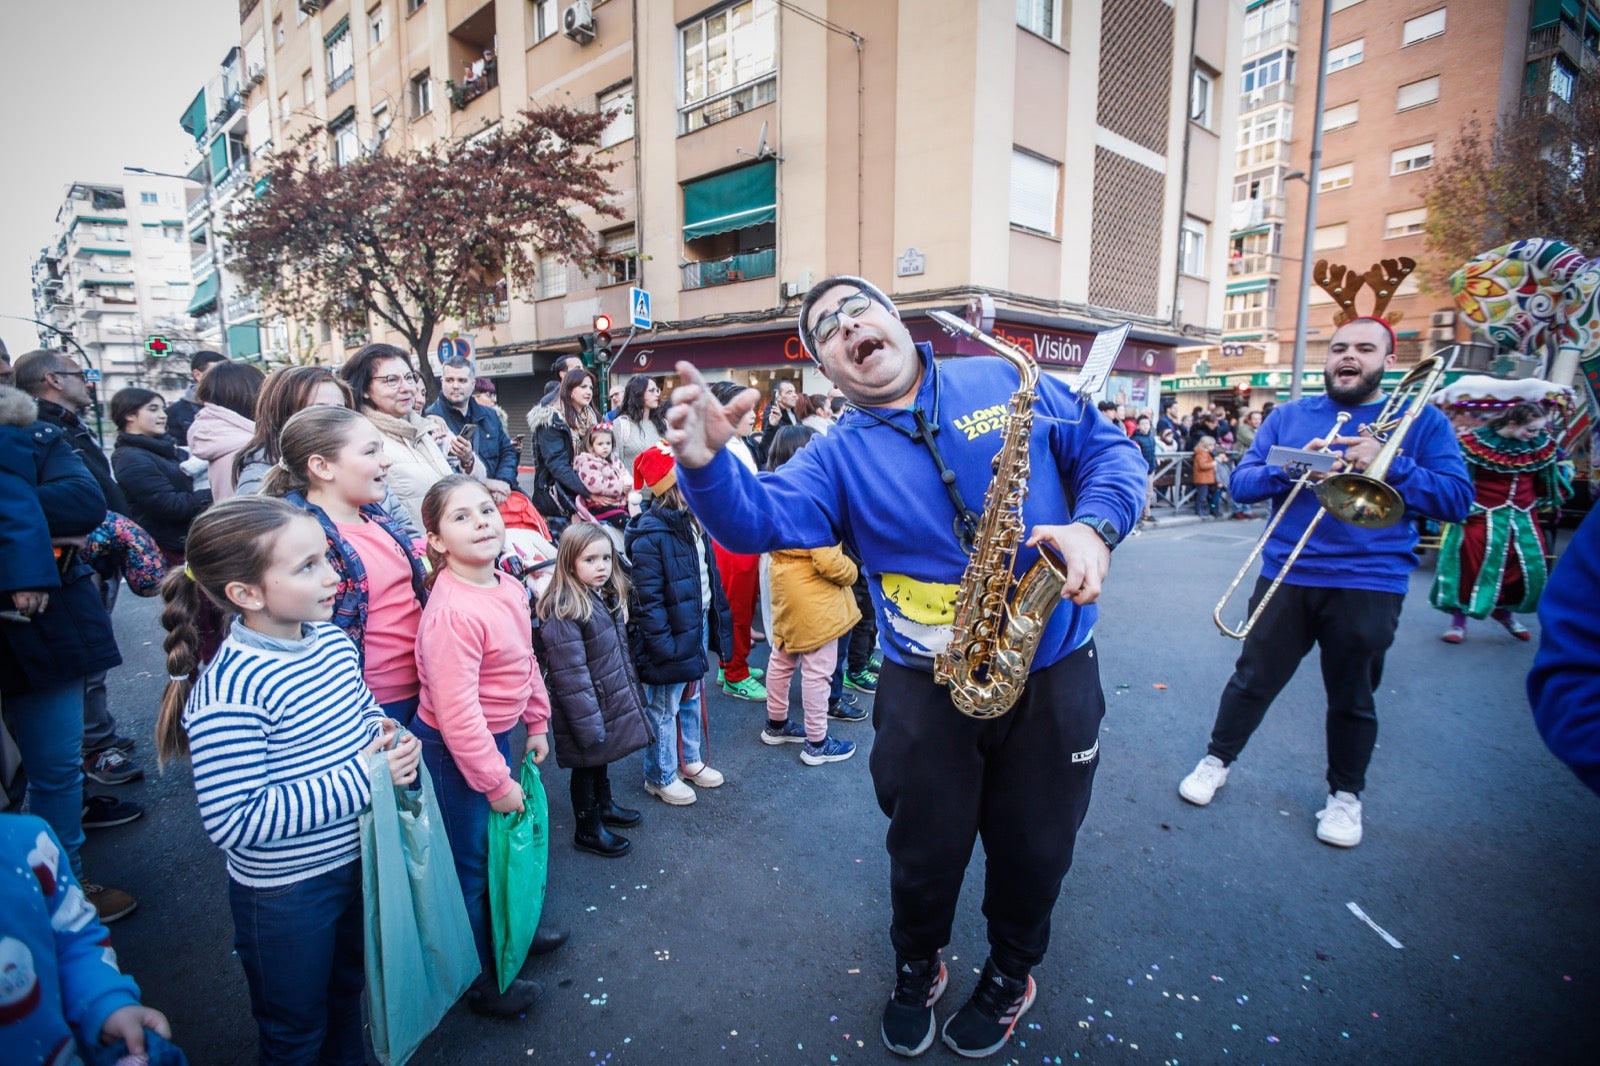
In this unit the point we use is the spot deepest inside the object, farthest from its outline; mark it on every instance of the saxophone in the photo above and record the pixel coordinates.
(995, 632)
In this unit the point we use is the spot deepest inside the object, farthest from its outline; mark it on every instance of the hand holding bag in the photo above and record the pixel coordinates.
(519, 861)
(420, 956)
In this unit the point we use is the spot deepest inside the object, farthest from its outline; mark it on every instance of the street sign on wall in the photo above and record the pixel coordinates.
(639, 308)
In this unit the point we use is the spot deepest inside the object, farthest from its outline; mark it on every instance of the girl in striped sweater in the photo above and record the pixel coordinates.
(279, 728)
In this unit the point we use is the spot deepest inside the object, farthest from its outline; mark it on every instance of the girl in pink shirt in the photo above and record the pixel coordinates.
(334, 466)
(479, 680)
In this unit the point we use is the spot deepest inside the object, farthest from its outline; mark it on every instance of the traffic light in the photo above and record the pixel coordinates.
(586, 349)
(602, 338)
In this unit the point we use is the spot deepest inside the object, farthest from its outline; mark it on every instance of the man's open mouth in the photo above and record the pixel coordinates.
(863, 349)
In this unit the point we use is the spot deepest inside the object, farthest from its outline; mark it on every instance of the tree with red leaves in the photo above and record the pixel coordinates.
(419, 237)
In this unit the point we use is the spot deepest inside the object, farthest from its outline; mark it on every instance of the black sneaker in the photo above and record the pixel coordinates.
(842, 711)
(908, 1021)
(103, 812)
(984, 1024)
(110, 766)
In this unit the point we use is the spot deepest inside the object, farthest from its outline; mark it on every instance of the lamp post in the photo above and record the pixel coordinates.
(213, 246)
(1310, 178)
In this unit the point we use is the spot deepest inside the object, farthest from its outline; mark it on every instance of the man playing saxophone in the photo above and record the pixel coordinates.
(1345, 589)
(900, 480)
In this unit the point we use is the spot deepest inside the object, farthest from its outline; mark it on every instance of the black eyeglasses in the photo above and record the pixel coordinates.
(828, 325)
(391, 381)
(70, 373)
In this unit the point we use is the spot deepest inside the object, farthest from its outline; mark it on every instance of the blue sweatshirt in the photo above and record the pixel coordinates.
(1564, 684)
(1429, 474)
(868, 484)
(59, 980)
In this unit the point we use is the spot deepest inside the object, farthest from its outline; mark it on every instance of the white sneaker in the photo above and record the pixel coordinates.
(702, 775)
(1339, 823)
(674, 792)
(1202, 783)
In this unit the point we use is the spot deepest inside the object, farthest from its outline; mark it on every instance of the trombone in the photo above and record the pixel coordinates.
(1361, 499)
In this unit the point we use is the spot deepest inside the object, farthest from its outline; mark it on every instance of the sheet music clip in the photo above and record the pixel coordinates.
(1296, 461)
(1102, 354)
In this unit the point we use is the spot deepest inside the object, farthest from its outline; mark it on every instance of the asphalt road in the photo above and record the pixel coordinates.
(752, 926)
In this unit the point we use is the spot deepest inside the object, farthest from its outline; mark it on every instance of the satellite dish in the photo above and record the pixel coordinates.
(763, 149)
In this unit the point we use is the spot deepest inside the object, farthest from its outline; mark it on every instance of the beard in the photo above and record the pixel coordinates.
(1358, 393)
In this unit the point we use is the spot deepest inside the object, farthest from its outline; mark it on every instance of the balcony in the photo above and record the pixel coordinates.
(1251, 263)
(242, 307)
(1281, 93)
(483, 76)
(1287, 34)
(726, 105)
(1563, 39)
(734, 268)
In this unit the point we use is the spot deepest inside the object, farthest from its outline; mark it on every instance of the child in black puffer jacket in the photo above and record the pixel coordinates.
(678, 607)
(596, 709)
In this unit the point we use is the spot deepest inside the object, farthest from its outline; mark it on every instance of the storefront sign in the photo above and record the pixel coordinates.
(504, 366)
(1216, 381)
(1050, 347)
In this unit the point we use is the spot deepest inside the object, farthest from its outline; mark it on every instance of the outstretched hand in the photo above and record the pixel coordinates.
(698, 427)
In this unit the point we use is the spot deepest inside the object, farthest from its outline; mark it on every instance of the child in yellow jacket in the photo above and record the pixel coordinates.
(812, 607)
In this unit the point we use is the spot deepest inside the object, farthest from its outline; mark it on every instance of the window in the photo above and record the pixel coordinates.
(413, 6)
(421, 95)
(149, 198)
(284, 108)
(299, 14)
(1333, 236)
(380, 123)
(377, 25)
(734, 46)
(1336, 177)
(1035, 183)
(305, 86)
(1405, 223)
(546, 19)
(1247, 310)
(277, 31)
(346, 146)
(1561, 81)
(1192, 247)
(1340, 5)
(1042, 17)
(1262, 138)
(1337, 118)
(341, 55)
(1202, 89)
(552, 277)
(618, 248)
(1417, 93)
(1268, 70)
(1405, 160)
(1346, 55)
(620, 128)
(1422, 27)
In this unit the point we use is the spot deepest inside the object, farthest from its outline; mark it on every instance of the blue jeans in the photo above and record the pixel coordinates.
(402, 711)
(301, 947)
(48, 727)
(465, 814)
(679, 729)
(1203, 499)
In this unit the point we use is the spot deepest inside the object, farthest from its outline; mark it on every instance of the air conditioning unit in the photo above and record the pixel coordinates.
(577, 22)
(1443, 318)
(1446, 334)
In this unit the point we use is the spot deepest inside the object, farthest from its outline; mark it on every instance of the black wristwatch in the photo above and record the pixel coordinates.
(1103, 527)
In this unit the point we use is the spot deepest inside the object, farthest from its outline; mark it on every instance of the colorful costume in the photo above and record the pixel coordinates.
(1496, 557)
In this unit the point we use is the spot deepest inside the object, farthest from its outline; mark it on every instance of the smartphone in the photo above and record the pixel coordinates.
(468, 430)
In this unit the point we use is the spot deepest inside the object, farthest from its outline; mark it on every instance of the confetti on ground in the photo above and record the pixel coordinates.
(1157, 684)
(857, 970)
(1376, 928)
(1272, 1040)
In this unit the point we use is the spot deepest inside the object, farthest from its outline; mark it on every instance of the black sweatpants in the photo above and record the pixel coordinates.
(1021, 782)
(1354, 628)
(864, 636)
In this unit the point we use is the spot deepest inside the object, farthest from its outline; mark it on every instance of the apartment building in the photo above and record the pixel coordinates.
(116, 273)
(1403, 77)
(1055, 165)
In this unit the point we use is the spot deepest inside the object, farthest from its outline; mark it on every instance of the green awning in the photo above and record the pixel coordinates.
(87, 282)
(1549, 12)
(244, 341)
(1256, 285)
(205, 296)
(261, 185)
(734, 200)
(100, 219)
(194, 116)
(106, 251)
(339, 29)
(1248, 231)
(219, 160)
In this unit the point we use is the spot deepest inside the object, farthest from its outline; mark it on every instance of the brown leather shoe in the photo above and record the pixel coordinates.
(111, 904)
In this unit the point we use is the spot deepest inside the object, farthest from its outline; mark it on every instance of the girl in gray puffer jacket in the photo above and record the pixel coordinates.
(596, 707)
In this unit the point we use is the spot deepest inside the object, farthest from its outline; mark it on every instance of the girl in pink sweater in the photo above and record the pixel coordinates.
(479, 679)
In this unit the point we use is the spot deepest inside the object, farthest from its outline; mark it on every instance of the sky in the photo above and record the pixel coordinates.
(91, 86)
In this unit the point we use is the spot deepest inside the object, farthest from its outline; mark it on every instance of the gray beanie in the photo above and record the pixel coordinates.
(815, 293)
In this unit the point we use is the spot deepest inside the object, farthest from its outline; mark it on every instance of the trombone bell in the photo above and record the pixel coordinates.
(1361, 500)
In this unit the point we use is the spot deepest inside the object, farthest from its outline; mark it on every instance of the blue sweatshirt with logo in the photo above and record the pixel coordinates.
(1429, 474)
(1564, 684)
(868, 484)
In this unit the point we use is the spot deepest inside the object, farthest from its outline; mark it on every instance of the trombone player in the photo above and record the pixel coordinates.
(1345, 589)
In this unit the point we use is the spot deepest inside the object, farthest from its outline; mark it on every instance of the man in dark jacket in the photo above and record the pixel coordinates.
(489, 441)
(58, 386)
(181, 412)
(54, 632)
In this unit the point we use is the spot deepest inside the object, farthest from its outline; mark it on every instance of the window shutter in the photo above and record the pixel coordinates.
(1035, 182)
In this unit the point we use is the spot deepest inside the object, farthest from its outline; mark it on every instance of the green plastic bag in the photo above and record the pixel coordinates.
(519, 860)
(420, 956)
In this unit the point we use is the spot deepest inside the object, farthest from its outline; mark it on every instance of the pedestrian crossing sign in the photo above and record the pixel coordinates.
(639, 308)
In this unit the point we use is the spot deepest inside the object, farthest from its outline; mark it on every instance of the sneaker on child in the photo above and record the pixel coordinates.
(1203, 781)
(831, 749)
(111, 904)
(908, 1021)
(790, 732)
(1339, 823)
(861, 680)
(841, 711)
(103, 812)
(984, 1024)
(674, 792)
(748, 689)
(110, 766)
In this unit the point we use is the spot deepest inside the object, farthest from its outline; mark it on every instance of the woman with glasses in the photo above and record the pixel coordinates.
(161, 496)
(389, 393)
(641, 420)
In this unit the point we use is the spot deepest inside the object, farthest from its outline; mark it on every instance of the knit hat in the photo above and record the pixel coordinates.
(655, 469)
(834, 282)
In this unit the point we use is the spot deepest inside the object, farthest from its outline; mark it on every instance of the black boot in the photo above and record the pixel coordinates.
(546, 939)
(593, 836)
(610, 813)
